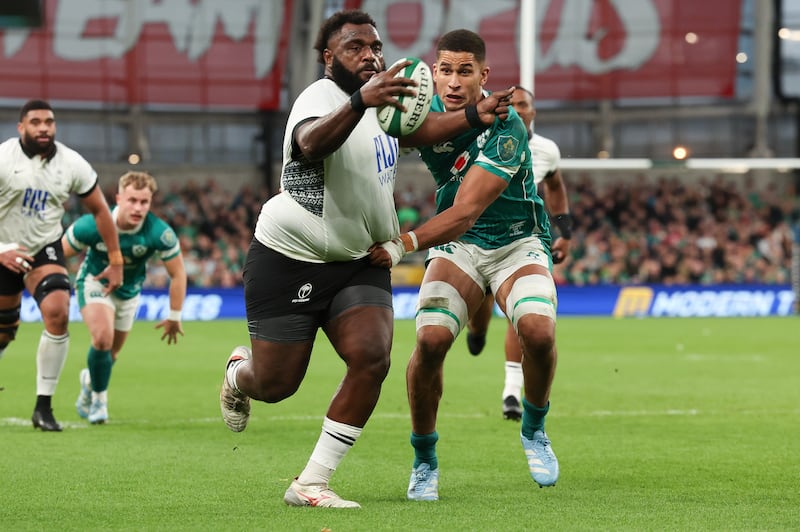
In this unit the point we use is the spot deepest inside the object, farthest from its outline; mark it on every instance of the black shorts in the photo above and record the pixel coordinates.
(288, 300)
(11, 283)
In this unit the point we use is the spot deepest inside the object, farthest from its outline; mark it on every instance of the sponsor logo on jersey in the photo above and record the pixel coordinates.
(34, 202)
(461, 163)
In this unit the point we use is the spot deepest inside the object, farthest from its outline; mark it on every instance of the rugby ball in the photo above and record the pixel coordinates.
(399, 123)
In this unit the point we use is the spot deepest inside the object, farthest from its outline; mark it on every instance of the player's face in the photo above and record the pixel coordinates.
(522, 103)
(132, 206)
(38, 130)
(354, 55)
(459, 79)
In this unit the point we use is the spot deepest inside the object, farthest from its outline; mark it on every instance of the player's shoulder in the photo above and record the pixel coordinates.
(10, 147)
(160, 231)
(540, 144)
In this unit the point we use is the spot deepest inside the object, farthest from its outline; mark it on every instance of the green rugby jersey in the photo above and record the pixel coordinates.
(153, 237)
(503, 150)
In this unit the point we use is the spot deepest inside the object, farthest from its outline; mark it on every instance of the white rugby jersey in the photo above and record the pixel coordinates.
(546, 157)
(33, 191)
(334, 209)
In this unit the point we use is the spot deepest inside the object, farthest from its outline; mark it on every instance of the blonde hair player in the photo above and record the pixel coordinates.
(109, 316)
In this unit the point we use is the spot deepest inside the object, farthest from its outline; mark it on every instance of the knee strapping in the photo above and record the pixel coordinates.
(9, 323)
(532, 294)
(441, 304)
(54, 281)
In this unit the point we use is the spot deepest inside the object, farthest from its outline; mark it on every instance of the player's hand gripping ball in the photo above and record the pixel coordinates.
(399, 123)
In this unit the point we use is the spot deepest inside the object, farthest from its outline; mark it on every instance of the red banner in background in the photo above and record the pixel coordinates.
(209, 54)
(584, 50)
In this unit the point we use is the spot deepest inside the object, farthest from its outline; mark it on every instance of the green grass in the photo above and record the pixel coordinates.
(659, 424)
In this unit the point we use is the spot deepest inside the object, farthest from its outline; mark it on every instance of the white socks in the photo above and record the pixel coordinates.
(334, 442)
(514, 380)
(50, 360)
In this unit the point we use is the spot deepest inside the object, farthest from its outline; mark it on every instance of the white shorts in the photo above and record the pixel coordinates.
(90, 290)
(492, 267)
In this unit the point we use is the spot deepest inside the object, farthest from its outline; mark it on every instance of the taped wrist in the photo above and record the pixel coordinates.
(357, 102)
(473, 119)
(564, 224)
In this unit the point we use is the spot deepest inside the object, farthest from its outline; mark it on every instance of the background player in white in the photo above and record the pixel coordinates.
(308, 266)
(490, 231)
(37, 175)
(110, 317)
(546, 173)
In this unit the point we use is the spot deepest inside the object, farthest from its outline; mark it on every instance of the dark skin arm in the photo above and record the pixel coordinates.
(556, 202)
(439, 127)
(322, 136)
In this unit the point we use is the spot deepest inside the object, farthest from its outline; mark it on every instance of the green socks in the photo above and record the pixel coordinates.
(99, 363)
(532, 418)
(425, 449)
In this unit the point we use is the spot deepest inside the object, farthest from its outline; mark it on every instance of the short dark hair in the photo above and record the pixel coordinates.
(523, 89)
(334, 24)
(463, 41)
(33, 105)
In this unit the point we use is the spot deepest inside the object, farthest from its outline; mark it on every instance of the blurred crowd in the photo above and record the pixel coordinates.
(632, 231)
(668, 231)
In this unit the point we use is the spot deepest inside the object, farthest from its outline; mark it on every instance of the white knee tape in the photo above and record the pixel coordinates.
(532, 294)
(441, 304)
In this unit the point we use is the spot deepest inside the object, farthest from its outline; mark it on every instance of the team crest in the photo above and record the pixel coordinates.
(168, 238)
(506, 147)
(139, 250)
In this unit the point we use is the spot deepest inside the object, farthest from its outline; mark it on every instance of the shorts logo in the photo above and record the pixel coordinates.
(51, 254)
(445, 248)
(303, 293)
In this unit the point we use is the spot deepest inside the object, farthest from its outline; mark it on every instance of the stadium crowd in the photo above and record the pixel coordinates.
(628, 231)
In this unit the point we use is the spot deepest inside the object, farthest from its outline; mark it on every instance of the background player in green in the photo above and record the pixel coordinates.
(495, 234)
(110, 317)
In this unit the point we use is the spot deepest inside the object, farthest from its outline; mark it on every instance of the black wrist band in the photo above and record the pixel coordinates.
(357, 102)
(564, 224)
(472, 117)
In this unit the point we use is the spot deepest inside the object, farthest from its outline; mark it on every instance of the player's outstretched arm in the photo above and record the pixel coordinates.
(439, 127)
(478, 190)
(557, 203)
(95, 203)
(177, 294)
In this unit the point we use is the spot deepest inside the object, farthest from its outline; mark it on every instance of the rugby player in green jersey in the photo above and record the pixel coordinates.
(110, 316)
(491, 232)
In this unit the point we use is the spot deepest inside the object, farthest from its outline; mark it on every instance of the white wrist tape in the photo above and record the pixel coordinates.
(8, 246)
(174, 315)
(396, 250)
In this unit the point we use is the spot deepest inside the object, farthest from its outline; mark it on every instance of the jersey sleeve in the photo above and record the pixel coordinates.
(83, 175)
(506, 147)
(168, 245)
(83, 233)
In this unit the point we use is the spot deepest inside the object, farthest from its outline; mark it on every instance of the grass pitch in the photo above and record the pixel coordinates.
(659, 424)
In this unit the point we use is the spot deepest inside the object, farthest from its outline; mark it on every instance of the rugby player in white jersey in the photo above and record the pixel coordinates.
(308, 266)
(37, 175)
(546, 174)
